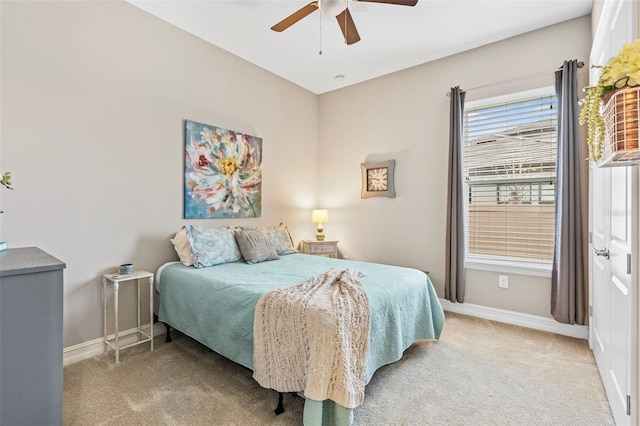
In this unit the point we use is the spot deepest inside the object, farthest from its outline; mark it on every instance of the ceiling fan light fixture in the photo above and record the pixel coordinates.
(332, 7)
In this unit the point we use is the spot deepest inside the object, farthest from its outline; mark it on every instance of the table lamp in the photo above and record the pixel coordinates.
(320, 216)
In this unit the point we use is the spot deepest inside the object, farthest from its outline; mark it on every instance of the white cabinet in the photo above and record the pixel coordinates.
(320, 248)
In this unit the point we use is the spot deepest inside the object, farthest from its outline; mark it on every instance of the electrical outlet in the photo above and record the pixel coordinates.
(503, 281)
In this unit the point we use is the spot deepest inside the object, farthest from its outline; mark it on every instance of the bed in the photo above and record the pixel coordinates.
(215, 305)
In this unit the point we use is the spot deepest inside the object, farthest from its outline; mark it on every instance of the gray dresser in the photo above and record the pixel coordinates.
(30, 337)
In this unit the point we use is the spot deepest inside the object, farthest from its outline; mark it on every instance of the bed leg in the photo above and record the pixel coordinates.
(280, 408)
(168, 338)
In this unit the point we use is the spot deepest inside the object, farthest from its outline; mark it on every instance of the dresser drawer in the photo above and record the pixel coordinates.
(320, 248)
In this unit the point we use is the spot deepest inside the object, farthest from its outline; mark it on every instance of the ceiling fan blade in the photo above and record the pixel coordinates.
(348, 27)
(398, 2)
(295, 17)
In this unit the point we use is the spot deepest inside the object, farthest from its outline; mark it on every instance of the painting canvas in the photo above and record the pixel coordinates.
(223, 173)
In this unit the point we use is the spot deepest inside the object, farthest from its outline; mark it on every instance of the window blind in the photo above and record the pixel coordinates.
(509, 157)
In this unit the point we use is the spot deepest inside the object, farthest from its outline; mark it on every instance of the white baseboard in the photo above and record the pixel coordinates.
(97, 347)
(517, 318)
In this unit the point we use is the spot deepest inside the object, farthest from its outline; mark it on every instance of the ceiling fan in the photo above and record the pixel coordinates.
(339, 9)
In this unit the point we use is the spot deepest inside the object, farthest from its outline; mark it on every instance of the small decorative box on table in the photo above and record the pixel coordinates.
(142, 336)
(320, 248)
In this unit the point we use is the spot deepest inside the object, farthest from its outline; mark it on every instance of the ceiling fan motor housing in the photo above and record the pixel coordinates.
(332, 7)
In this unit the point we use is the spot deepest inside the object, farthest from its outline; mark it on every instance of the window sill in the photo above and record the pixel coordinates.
(509, 266)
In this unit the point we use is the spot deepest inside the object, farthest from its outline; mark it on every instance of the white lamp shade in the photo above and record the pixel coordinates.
(332, 7)
(320, 216)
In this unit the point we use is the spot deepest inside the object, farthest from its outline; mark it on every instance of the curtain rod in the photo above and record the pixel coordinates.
(526, 77)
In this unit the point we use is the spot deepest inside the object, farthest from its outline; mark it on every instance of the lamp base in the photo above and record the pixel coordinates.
(320, 232)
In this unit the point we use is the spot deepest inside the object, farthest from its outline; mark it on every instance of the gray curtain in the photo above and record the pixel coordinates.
(568, 274)
(455, 251)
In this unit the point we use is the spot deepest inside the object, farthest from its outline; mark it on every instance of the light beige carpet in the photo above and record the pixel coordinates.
(479, 373)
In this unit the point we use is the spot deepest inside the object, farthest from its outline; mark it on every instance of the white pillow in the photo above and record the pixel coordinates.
(183, 248)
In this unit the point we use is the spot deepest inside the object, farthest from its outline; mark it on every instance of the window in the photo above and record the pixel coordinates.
(509, 157)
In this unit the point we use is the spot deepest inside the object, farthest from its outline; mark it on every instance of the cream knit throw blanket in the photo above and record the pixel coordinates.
(313, 337)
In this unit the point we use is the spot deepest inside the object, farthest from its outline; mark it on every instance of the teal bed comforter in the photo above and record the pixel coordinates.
(215, 306)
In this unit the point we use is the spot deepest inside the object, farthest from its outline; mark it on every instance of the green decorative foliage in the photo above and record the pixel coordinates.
(6, 180)
(623, 70)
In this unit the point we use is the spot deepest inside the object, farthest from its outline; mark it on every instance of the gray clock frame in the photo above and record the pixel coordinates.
(391, 191)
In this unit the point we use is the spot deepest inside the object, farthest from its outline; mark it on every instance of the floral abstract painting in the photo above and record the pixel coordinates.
(223, 173)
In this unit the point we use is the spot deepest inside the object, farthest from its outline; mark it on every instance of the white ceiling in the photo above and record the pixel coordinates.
(392, 37)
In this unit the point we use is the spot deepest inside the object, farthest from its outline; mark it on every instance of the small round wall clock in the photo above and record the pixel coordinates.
(377, 179)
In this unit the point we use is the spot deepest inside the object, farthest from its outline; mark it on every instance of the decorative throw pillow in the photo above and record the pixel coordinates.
(278, 235)
(281, 239)
(212, 246)
(183, 248)
(255, 245)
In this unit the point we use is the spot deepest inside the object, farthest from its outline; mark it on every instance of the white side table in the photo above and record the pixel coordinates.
(326, 248)
(142, 336)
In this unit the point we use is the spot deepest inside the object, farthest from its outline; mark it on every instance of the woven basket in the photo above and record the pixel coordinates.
(621, 116)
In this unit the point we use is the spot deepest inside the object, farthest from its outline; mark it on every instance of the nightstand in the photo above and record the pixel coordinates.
(142, 336)
(320, 248)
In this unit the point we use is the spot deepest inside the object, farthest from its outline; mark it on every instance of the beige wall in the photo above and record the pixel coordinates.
(94, 95)
(405, 116)
(93, 100)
